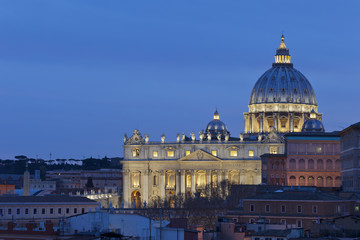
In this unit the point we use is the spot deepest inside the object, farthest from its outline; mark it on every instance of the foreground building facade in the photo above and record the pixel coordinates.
(280, 102)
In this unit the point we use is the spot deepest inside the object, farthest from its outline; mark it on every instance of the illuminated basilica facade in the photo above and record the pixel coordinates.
(153, 171)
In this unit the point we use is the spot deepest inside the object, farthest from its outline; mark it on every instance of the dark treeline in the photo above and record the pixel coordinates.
(18, 165)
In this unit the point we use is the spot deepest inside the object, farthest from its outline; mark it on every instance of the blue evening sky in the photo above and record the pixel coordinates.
(76, 75)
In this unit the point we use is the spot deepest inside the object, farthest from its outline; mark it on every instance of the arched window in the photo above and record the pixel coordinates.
(292, 181)
(338, 182)
(214, 180)
(302, 180)
(329, 164)
(188, 181)
(135, 179)
(234, 178)
(329, 182)
(320, 164)
(311, 181)
(292, 164)
(320, 181)
(277, 165)
(282, 165)
(201, 181)
(310, 164)
(337, 164)
(301, 164)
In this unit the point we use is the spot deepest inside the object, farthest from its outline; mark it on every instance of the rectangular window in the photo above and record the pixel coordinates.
(299, 223)
(187, 152)
(251, 220)
(51, 211)
(299, 209)
(83, 210)
(314, 209)
(267, 208)
(252, 208)
(273, 150)
(1, 211)
(155, 154)
(35, 210)
(283, 221)
(318, 149)
(233, 153)
(67, 210)
(214, 153)
(18, 211)
(283, 209)
(170, 153)
(251, 153)
(43, 211)
(26, 211)
(75, 210)
(155, 180)
(59, 210)
(9, 211)
(136, 152)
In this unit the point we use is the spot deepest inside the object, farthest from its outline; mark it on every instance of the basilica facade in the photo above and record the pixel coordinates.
(280, 102)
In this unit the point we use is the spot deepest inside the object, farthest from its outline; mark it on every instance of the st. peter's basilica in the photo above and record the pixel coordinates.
(281, 101)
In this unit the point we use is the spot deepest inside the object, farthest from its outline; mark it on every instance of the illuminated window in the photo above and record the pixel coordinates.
(251, 153)
(214, 153)
(273, 150)
(155, 154)
(233, 153)
(188, 181)
(170, 153)
(318, 149)
(187, 153)
(357, 208)
(136, 179)
(136, 152)
(214, 180)
(170, 180)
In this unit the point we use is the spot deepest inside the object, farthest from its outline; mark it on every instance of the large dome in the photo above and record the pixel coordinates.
(283, 84)
(282, 98)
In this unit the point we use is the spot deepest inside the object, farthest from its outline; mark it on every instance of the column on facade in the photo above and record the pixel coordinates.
(276, 121)
(162, 184)
(291, 126)
(145, 186)
(219, 177)
(193, 190)
(177, 180)
(261, 122)
(250, 123)
(208, 180)
(182, 181)
(246, 118)
(228, 180)
(126, 187)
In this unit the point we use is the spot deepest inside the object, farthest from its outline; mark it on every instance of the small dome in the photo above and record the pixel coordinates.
(216, 126)
(313, 125)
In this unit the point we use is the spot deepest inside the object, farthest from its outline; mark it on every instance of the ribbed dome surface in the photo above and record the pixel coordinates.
(283, 84)
(216, 126)
(313, 125)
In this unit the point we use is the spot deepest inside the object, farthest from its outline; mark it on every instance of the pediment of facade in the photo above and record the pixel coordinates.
(200, 156)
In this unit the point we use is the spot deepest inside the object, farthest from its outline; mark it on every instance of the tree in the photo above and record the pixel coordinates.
(89, 183)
